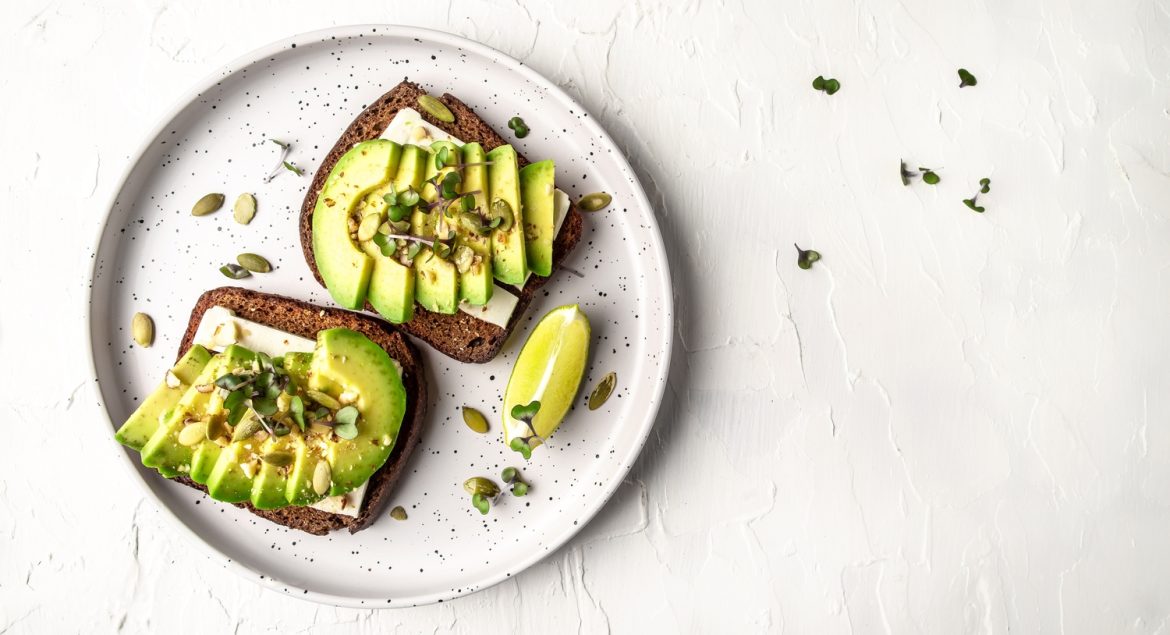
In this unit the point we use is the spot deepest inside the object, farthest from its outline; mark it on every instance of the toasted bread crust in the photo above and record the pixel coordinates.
(460, 336)
(304, 319)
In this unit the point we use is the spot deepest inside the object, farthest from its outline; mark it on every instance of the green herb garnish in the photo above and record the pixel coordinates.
(481, 502)
(292, 168)
(525, 413)
(806, 257)
(973, 202)
(966, 78)
(518, 126)
(345, 423)
(296, 407)
(827, 86)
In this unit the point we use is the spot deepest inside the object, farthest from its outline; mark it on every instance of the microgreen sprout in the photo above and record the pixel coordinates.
(806, 257)
(929, 175)
(292, 168)
(973, 202)
(518, 126)
(525, 413)
(966, 78)
(511, 476)
(827, 86)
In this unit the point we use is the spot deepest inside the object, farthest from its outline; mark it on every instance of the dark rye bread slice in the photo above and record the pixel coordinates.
(459, 336)
(304, 319)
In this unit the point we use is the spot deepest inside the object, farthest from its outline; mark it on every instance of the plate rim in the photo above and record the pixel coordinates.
(208, 82)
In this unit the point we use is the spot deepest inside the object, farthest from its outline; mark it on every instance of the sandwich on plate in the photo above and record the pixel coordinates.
(425, 215)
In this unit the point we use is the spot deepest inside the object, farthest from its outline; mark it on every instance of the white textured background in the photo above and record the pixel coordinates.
(954, 423)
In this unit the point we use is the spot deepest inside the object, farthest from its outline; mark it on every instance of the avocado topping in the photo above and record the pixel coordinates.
(274, 431)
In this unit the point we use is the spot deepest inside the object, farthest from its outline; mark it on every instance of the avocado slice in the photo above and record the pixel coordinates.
(145, 420)
(391, 290)
(299, 485)
(509, 262)
(271, 482)
(536, 194)
(347, 361)
(343, 265)
(436, 282)
(436, 279)
(475, 269)
(163, 451)
(230, 480)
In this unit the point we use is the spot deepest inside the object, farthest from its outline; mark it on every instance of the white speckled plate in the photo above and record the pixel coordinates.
(153, 256)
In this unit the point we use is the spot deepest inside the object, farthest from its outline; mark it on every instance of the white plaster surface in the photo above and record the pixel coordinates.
(954, 423)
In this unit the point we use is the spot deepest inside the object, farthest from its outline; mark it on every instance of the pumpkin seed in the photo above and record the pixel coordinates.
(475, 420)
(483, 486)
(192, 434)
(235, 272)
(245, 208)
(142, 329)
(398, 513)
(322, 477)
(208, 204)
(216, 428)
(601, 393)
(278, 458)
(368, 227)
(435, 108)
(254, 263)
(323, 399)
(595, 202)
(247, 428)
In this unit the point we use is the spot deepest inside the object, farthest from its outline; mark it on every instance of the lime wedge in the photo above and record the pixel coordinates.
(548, 370)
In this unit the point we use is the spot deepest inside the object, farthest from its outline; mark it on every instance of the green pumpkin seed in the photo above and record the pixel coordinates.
(483, 486)
(322, 477)
(398, 513)
(216, 428)
(278, 458)
(254, 263)
(247, 428)
(601, 393)
(323, 399)
(435, 108)
(245, 208)
(368, 227)
(208, 204)
(475, 420)
(192, 434)
(595, 202)
(235, 272)
(142, 329)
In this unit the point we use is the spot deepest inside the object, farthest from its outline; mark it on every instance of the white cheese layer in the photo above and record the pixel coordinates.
(408, 126)
(220, 328)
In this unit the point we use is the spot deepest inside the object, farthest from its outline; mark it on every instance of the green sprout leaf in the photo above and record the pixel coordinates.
(970, 202)
(264, 406)
(397, 212)
(345, 422)
(984, 186)
(508, 475)
(408, 197)
(819, 83)
(520, 489)
(518, 444)
(907, 174)
(480, 502)
(391, 197)
(966, 78)
(450, 186)
(292, 168)
(526, 413)
(441, 157)
(832, 86)
(296, 408)
(806, 257)
(930, 178)
(518, 126)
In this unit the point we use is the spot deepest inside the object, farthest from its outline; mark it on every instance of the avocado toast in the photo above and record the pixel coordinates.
(312, 435)
(439, 289)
